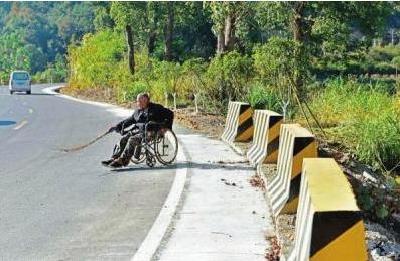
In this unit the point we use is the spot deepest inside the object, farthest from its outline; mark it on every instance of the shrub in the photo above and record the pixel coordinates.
(275, 60)
(167, 76)
(129, 92)
(261, 97)
(384, 68)
(277, 66)
(228, 76)
(93, 64)
(385, 53)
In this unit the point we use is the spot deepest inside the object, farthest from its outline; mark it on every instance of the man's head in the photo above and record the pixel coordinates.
(143, 100)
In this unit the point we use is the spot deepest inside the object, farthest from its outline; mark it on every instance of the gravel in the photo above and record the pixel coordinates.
(381, 243)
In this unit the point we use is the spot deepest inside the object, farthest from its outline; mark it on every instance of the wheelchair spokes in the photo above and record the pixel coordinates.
(166, 147)
(161, 147)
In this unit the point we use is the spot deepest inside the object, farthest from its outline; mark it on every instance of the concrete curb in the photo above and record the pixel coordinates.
(155, 235)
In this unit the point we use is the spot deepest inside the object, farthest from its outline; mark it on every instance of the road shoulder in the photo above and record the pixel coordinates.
(222, 217)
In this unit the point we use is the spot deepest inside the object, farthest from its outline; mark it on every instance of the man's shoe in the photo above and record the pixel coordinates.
(118, 163)
(107, 162)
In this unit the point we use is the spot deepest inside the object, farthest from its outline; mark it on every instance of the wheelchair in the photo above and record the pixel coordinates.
(158, 144)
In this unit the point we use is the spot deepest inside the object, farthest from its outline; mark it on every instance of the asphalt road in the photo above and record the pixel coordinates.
(66, 206)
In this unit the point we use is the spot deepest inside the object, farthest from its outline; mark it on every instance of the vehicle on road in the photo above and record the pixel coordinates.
(20, 81)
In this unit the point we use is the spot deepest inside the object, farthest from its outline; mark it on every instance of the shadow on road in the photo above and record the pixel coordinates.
(189, 165)
(7, 123)
(43, 94)
(34, 94)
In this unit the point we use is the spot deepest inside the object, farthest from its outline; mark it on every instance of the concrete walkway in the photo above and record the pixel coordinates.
(222, 217)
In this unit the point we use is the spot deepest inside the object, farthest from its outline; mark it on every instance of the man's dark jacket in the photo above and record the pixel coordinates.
(154, 113)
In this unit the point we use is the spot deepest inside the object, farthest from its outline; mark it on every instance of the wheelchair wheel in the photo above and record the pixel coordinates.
(166, 147)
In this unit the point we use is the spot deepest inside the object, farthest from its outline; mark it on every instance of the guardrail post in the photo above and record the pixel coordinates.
(296, 143)
(239, 122)
(266, 137)
(329, 224)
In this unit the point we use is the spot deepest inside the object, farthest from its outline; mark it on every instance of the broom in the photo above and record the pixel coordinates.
(87, 144)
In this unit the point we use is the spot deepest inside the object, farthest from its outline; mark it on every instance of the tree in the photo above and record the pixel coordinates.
(226, 17)
(102, 19)
(152, 19)
(44, 29)
(128, 16)
(168, 31)
(314, 24)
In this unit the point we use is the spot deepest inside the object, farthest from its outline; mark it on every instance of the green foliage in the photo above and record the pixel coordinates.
(56, 72)
(13, 54)
(128, 92)
(261, 97)
(365, 119)
(34, 33)
(275, 61)
(374, 201)
(228, 76)
(102, 19)
(277, 66)
(94, 63)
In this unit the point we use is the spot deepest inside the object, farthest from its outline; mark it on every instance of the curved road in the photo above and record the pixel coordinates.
(66, 206)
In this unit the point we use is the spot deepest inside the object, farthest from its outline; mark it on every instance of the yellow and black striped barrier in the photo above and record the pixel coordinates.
(329, 225)
(266, 137)
(239, 122)
(296, 143)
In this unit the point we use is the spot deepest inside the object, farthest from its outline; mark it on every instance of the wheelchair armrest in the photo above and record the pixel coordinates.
(152, 123)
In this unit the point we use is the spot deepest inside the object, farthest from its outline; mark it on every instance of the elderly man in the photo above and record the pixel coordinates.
(129, 144)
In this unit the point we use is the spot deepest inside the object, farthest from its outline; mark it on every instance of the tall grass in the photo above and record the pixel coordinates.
(363, 118)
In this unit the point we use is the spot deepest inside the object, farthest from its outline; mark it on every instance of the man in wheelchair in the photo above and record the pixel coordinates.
(129, 145)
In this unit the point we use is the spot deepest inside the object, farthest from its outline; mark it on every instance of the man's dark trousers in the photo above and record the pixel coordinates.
(127, 146)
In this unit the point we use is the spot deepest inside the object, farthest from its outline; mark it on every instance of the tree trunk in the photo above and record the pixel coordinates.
(221, 42)
(299, 37)
(131, 50)
(169, 28)
(152, 42)
(298, 33)
(392, 35)
(230, 28)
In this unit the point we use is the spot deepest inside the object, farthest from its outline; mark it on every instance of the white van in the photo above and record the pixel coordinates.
(20, 81)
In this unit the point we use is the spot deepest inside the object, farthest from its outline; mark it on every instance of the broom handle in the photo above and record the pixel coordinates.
(88, 144)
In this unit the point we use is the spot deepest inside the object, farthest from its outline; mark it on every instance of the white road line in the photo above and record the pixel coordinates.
(20, 125)
(118, 111)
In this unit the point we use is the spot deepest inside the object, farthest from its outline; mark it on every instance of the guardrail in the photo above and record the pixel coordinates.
(296, 144)
(239, 122)
(329, 225)
(266, 137)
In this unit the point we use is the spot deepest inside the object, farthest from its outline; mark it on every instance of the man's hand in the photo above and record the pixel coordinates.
(112, 129)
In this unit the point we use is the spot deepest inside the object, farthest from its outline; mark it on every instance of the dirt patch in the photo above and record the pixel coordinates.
(206, 123)
(273, 253)
(257, 182)
(285, 225)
